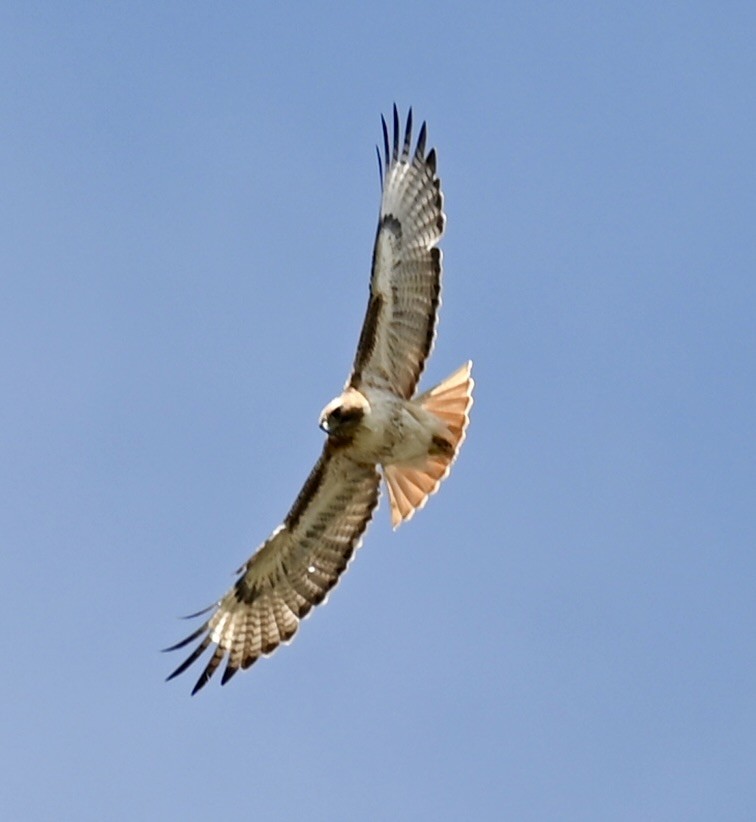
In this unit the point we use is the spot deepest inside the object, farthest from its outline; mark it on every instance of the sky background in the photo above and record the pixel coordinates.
(189, 199)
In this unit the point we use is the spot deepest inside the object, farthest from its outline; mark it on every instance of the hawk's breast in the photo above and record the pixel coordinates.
(393, 431)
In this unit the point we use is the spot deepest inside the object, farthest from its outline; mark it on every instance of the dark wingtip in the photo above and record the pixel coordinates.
(421, 138)
(196, 653)
(380, 165)
(431, 160)
(210, 669)
(186, 641)
(386, 157)
(407, 135)
(395, 153)
(199, 613)
(200, 684)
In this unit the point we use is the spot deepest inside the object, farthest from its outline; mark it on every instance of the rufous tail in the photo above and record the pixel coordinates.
(410, 486)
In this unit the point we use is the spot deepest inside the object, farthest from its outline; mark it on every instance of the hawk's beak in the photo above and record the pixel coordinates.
(324, 425)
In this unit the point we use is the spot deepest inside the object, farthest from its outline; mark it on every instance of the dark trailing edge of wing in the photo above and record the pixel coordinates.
(431, 330)
(367, 337)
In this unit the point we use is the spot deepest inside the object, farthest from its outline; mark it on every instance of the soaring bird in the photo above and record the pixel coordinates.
(378, 425)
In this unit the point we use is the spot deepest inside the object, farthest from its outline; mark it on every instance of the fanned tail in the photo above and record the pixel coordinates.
(410, 486)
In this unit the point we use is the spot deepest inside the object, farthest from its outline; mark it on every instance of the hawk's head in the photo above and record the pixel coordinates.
(342, 416)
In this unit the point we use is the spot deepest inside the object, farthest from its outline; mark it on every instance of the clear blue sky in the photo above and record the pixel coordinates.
(189, 199)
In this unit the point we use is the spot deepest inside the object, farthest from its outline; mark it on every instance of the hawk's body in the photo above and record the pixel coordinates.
(392, 430)
(377, 421)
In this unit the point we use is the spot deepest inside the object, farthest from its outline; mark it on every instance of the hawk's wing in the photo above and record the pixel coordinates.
(405, 284)
(293, 570)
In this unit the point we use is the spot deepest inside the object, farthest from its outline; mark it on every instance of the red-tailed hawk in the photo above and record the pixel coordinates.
(376, 422)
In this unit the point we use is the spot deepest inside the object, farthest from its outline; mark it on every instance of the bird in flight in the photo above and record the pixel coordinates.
(377, 422)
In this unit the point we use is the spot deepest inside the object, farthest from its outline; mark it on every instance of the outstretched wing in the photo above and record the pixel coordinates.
(293, 570)
(405, 284)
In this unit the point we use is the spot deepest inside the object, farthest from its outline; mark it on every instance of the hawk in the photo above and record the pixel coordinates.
(377, 422)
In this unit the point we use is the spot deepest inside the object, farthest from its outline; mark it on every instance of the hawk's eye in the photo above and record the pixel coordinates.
(342, 416)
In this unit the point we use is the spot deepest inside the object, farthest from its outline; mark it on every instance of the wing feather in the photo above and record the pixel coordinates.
(293, 570)
(405, 285)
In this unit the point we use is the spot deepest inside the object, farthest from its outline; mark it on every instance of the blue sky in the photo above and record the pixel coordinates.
(189, 197)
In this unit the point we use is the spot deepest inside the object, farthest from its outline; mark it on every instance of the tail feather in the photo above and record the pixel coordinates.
(410, 486)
